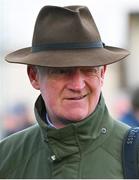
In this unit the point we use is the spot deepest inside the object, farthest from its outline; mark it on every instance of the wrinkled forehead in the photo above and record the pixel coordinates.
(67, 70)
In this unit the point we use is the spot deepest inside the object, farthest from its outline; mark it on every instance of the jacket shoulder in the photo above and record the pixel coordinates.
(120, 129)
(20, 137)
(114, 143)
(17, 148)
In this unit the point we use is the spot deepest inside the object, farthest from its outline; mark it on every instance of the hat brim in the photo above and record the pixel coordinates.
(68, 58)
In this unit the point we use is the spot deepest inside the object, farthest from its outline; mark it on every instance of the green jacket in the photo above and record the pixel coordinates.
(88, 149)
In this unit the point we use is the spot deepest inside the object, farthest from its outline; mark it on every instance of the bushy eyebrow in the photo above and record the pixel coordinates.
(43, 70)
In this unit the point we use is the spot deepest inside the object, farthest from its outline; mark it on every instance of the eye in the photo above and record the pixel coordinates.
(62, 71)
(90, 70)
(59, 71)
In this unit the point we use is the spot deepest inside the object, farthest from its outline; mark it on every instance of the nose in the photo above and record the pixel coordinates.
(76, 81)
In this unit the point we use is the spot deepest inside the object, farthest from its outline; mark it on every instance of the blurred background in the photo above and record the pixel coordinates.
(118, 24)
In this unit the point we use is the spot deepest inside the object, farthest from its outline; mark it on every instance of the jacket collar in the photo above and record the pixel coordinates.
(75, 136)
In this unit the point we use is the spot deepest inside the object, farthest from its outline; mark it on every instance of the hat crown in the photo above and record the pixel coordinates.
(66, 37)
(70, 24)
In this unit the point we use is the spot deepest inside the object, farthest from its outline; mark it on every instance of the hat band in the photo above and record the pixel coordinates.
(58, 46)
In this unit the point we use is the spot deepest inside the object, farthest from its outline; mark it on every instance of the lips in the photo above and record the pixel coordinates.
(77, 97)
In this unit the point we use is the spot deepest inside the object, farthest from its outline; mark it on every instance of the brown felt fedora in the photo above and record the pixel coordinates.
(66, 37)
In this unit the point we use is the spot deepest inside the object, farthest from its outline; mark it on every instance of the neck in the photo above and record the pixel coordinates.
(60, 122)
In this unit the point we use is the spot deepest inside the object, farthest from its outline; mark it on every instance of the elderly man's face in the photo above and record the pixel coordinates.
(70, 94)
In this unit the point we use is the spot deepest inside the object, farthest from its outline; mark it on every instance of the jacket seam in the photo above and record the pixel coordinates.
(110, 154)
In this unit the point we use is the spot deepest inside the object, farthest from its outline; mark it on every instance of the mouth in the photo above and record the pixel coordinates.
(77, 97)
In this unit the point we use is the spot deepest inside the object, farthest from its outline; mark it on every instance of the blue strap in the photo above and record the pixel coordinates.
(130, 154)
(58, 46)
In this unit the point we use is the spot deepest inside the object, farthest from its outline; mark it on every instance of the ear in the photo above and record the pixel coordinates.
(103, 70)
(33, 76)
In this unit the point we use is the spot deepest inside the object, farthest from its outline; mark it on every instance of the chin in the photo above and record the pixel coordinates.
(76, 118)
(77, 114)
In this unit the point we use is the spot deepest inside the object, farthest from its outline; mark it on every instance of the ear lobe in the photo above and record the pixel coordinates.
(33, 76)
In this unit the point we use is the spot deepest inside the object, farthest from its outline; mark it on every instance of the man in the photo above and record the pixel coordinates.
(75, 136)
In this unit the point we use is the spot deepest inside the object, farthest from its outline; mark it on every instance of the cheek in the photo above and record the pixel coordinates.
(50, 93)
(95, 89)
(100, 79)
(96, 82)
